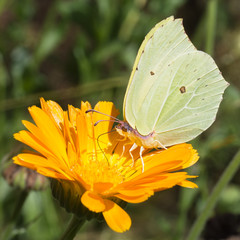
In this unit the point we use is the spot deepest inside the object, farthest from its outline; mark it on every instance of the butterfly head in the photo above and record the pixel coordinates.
(123, 128)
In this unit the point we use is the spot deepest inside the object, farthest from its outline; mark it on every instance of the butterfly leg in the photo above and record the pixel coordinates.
(123, 151)
(134, 146)
(123, 139)
(141, 151)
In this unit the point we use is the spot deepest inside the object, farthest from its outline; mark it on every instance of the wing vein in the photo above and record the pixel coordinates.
(193, 95)
(186, 125)
(165, 99)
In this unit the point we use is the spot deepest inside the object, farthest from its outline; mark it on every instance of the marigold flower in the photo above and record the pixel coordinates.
(90, 164)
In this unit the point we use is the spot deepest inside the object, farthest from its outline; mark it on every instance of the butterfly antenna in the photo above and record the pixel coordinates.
(96, 123)
(93, 110)
(113, 130)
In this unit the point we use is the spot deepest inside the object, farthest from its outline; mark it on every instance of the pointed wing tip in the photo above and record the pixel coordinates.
(169, 19)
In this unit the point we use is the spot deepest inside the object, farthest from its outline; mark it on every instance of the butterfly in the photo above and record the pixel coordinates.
(174, 90)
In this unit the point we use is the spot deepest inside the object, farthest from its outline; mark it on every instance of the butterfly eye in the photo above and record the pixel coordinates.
(124, 129)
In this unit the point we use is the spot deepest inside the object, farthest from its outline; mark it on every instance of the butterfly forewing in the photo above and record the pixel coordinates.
(161, 46)
(174, 89)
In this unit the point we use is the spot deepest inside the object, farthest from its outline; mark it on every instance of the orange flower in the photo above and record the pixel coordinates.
(90, 164)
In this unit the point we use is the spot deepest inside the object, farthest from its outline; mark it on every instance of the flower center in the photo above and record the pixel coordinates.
(97, 169)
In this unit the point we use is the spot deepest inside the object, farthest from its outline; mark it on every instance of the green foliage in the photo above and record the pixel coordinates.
(73, 50)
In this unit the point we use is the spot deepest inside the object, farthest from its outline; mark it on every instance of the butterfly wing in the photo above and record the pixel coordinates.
(174, 89)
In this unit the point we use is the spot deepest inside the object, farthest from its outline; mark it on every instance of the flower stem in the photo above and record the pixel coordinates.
(23, 196)
(9, 226)
(212, 200)
(72, 229)
(211, 25)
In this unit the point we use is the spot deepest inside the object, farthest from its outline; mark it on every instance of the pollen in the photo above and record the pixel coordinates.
(94, 171)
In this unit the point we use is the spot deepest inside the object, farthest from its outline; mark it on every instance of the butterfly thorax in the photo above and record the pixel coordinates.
(147, 141)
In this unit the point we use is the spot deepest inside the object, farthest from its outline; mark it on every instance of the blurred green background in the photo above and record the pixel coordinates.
(70, 51)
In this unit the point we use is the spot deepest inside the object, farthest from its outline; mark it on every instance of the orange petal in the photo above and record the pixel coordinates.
(44, 171)
(53, 110)
(192, 160)
(135, 199)
(172, 180)
(104, 126)
(93, 202)
(135, 194)
(152, 172)
(68, 134)
(19, 161)
(116, 218)
(82, 134)
(182, 154)
(34, 159)
(38, 162)
(52, 174)
(136, 191)
(50, 134)
(72, 112)
(188, 184)
(101, 186)
(31, 140)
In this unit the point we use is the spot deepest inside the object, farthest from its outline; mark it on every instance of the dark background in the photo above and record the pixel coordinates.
(70, 51)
